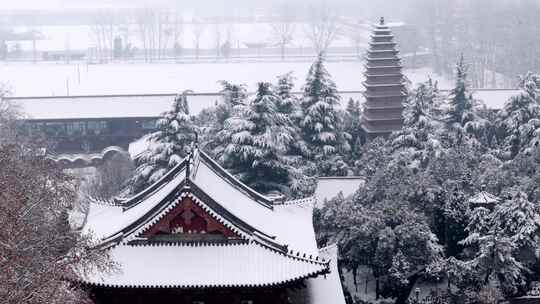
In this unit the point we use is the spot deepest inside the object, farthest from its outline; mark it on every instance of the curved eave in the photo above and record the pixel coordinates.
(382, 85)
(379, 131)
(369, 107)
(382, 67)
(374, 43)
(382, 75)
(366, 95)
(368, 119)
(382, 36)
(396, 58)
(211, 286)
(371, 51)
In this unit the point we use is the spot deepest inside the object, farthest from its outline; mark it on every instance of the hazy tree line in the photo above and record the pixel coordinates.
(500, 38)
(158, 33)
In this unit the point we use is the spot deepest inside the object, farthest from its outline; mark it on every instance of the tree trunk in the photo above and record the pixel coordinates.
(355, 272)
(403, 295)
(377, 289)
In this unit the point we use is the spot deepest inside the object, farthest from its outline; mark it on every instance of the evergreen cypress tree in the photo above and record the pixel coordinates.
(234, 96)
(287, 102)
(462, 117)
(175, 133)
(259, 137)
(322, 123)
(460, 99)
(353, 126)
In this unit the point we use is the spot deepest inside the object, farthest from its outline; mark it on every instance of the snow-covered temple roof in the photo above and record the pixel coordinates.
(484, 198)
(105, 106)
(273, 241)
(203, 266)
(152, 105)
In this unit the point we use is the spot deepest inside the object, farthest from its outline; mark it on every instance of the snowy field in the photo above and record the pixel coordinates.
(51, 79)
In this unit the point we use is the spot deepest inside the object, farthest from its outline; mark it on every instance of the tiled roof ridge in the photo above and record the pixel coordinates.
(235, 182)
(140, 196)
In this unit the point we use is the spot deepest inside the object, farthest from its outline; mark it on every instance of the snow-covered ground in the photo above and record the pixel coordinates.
(53, 79)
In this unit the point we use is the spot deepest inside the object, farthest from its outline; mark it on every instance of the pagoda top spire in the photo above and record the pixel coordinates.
(381, 21)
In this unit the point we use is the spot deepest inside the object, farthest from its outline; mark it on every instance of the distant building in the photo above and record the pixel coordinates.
(199, 236)
(385, 89)
(86, 129)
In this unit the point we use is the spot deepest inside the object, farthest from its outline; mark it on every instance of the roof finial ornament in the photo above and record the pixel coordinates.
(382, 21)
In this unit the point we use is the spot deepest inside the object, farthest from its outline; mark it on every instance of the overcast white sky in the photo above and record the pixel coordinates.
(65, 4)
(58, 4)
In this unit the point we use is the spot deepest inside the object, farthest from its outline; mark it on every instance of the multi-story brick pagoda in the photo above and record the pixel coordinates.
(385, 89)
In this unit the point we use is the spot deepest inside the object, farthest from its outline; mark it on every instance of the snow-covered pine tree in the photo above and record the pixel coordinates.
(234, 97)
(233, 93)
(287, 102)
(519, 120)
(420, 115)
(460, 99)
(259, 136)
(479, 224)
(506, 239)
(322, 123)
(494, 262)
(175, 133)
(462, 117)
(519, 219)
(301, 185)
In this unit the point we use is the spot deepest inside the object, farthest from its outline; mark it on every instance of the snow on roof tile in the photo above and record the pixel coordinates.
(203, 265)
